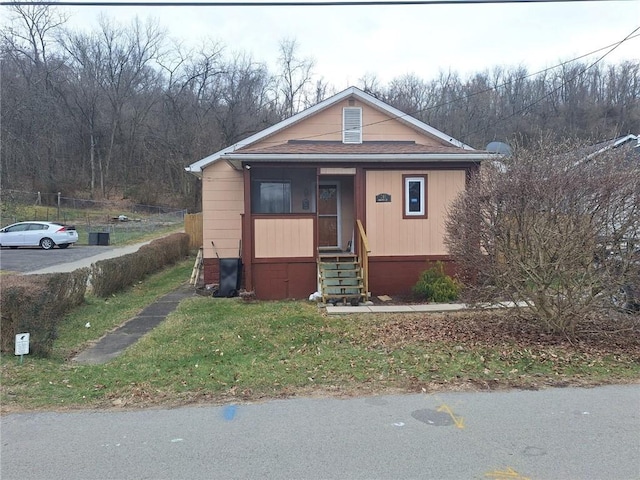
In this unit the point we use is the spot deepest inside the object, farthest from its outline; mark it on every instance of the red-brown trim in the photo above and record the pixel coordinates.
(471, 172)
(284, 260)
(360, 202)
(360, 193)
(425, 178)
(412, 258)
(281, 280)
(461, 165)
(398, 275)
(282, 215)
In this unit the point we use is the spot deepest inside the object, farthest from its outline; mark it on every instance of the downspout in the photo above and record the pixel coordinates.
(247, 232)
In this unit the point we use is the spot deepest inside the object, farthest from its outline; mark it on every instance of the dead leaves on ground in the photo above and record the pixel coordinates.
(597, 336)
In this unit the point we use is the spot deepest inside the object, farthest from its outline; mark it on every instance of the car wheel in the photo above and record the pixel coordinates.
(46, 244)
(63, 245)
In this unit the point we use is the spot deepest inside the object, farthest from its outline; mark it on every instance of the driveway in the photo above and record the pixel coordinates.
(36, 260)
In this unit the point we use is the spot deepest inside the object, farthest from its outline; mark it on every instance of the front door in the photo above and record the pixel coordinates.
(328, 214)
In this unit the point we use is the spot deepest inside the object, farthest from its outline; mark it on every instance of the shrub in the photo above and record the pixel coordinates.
(435, 286)
(115, 274)
(531, 228)
(35, 304)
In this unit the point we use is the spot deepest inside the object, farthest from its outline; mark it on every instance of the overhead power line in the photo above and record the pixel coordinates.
(562, 85)
(294, 3)
(611, 47)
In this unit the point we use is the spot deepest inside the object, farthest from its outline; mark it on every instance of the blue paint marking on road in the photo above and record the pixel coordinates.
(229, 412)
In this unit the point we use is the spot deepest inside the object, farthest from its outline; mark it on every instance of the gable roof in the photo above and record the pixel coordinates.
(452, 145)
(632, 142)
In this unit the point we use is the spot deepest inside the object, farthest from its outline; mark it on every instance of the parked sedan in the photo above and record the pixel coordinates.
(38, 234)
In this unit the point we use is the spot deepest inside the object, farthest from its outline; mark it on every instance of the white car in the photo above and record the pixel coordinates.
(38, 234)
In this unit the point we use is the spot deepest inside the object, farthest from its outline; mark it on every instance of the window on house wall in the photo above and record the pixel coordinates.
(270, 196)
(283, 190)
(352, 125)
(415, 196)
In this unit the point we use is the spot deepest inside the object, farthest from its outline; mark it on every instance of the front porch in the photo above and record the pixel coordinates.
(339, 275)
(297, 218)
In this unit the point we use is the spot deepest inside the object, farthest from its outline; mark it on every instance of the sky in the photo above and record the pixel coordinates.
(349, 42)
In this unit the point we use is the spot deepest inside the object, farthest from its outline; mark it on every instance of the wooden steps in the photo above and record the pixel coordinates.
(340, 276)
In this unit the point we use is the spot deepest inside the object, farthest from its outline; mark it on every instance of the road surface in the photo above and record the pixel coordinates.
(551, 434)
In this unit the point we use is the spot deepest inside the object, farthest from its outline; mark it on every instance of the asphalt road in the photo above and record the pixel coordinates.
(550, 434)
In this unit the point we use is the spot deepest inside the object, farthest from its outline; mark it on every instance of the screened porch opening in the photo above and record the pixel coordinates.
(283, 190)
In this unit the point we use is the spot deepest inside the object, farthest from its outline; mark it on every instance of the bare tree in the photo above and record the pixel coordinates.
(295, 77)
(129, 61)
(532, 228)
(370, 83)
(82, 93)
(247, 104)
(34, 69)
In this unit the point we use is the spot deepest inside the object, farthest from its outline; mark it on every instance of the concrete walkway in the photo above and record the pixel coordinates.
(114, 343)
(419, 308)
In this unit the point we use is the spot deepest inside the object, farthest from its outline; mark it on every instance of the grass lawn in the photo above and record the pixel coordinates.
(225, 350)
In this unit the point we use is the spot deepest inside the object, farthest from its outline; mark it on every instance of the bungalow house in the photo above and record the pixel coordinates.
(346, 198)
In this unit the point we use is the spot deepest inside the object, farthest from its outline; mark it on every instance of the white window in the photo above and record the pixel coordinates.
(352, 125)
(415, 196)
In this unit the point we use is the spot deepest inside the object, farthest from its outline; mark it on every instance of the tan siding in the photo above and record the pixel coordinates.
(327, 125)
(283, 237)
(390, 234)
(222, 205)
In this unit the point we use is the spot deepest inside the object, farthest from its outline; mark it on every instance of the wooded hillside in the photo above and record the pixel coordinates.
(120, 110)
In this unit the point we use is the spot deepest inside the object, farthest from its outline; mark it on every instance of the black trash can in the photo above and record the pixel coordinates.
(230, 277)
(98, 238)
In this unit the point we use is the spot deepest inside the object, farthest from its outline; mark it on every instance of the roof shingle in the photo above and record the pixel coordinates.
(337, 148)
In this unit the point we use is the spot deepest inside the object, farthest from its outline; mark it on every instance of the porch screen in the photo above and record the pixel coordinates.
(270, 196)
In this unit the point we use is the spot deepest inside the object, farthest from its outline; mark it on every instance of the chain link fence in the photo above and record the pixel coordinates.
(123, 222)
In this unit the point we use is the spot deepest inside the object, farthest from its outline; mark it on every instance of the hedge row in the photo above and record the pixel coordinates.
(37, 303)
(112, 275)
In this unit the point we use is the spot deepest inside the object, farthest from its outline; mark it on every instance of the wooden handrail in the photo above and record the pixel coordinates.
(363, 236)
(363, 250)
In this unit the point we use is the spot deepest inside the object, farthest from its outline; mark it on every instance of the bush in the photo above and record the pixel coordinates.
(35, 304)
(531, 229)
(115, 274)
(435, 286)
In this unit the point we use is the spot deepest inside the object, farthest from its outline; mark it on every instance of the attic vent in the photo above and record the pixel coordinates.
(352, 125)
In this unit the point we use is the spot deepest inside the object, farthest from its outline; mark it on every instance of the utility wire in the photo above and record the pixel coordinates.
(562, 85)
(496, 87)
(611, 46)
(284, 3)
(369, 3)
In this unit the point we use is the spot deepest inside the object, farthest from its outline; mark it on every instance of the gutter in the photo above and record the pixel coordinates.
(237, 159)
